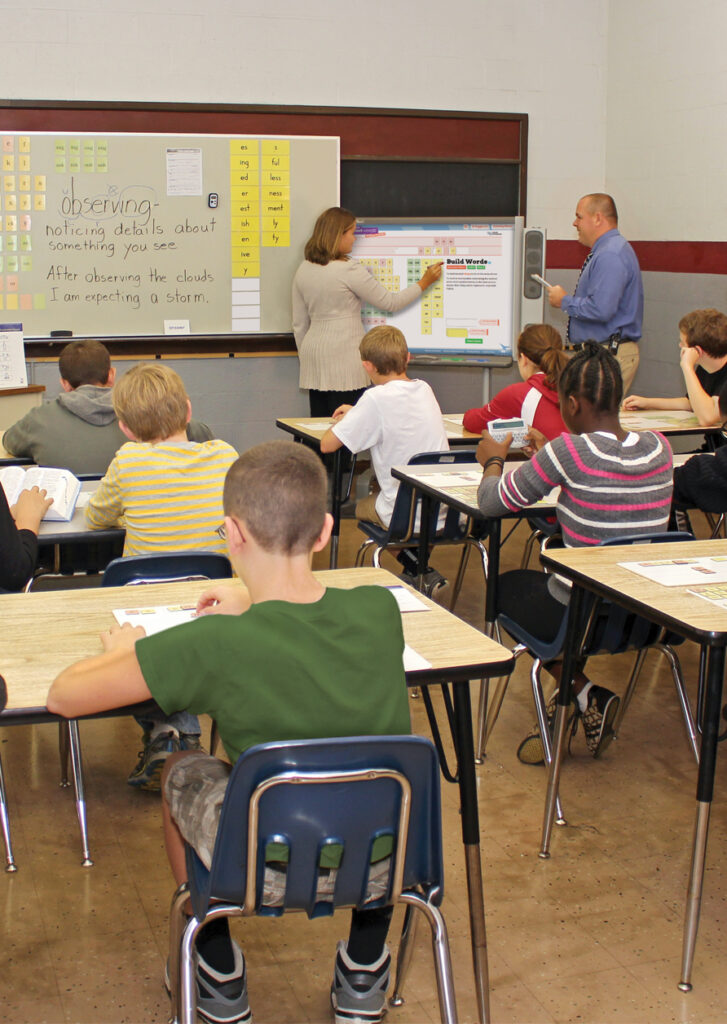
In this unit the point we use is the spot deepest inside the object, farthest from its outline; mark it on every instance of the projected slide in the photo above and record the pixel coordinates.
(469, 312)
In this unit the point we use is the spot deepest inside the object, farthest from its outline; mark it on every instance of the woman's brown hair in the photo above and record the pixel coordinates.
(543, 345)
(324, 243)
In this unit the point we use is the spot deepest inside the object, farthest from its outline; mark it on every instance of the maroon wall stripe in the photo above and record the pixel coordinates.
(661, 257)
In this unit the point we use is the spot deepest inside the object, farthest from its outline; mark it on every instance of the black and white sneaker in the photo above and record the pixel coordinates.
(358, 991)
(598, 718)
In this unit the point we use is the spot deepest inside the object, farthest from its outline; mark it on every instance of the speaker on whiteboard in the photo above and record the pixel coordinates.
(532, 298)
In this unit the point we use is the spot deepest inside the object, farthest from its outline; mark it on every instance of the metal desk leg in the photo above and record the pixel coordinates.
(336, 505)
(564, 697)
(705, 789)
(471, 840)
(425, 518)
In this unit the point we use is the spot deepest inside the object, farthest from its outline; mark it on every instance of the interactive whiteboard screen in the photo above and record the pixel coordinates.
(471, 311)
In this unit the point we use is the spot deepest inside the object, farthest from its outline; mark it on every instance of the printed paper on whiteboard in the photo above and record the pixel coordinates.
(12, 357)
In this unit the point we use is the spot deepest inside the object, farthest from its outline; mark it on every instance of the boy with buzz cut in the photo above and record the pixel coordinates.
(397, 418)
(166, 490)
(283, 659)
(703, 360)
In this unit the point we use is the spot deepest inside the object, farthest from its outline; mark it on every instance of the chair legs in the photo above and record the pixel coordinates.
(469, 543)
(63, 753)
(486, 717)
(540, 711)
(10, 864)
(404, 955)
(442, 958)
(182, 937)
(77, 768)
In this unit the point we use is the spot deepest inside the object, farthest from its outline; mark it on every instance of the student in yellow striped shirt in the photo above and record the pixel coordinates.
(167, 491)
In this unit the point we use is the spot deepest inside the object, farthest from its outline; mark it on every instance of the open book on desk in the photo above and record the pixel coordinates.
(59, 484)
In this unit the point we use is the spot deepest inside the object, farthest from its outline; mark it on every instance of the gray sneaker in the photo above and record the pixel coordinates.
(147, 773)
(358, 991)
(222, 998)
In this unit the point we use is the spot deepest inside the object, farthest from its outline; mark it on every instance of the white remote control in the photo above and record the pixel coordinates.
(518, 428)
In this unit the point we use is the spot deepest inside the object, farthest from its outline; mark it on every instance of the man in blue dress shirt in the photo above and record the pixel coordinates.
(607, 305)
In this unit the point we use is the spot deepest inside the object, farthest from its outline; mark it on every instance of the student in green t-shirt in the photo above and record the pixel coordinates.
(284, 659)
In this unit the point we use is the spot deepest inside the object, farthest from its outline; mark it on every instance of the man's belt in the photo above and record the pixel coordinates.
(613, 343)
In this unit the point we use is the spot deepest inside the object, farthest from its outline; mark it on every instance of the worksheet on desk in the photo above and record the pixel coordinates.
(681, 572)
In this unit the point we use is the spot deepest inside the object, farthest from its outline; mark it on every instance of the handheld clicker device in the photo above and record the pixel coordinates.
(517, 427)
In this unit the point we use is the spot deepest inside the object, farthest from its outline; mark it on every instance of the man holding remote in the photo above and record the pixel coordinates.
(607, 304)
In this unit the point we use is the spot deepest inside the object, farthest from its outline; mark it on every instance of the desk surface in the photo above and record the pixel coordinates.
(457, 485)
(315, 428)
(45, 632)
(598, 569)
(666, 421)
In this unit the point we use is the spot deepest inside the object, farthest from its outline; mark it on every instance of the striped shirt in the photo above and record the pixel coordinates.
(608, 487)
(168, 496)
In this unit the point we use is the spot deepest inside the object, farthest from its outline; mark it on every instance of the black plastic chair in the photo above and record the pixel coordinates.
(611, 630)
(309, 794)
(401, 532)
(167, 567)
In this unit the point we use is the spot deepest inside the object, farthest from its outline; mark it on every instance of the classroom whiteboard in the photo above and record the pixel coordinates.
(116, 234)
(473, 312)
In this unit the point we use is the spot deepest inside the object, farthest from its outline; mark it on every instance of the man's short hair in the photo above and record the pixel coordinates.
(151, 400)
(706, 328)
(385, 347)
(601, 202)
(278, 489)
(85, 361)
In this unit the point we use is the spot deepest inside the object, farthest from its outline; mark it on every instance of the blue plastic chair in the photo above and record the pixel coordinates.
(167, 567)
(401, 531)
(308, 794)
(612, 630)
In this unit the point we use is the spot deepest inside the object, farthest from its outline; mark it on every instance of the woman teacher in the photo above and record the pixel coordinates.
(328, 290)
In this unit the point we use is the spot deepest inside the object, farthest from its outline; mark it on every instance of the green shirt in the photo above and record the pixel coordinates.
(287, 671)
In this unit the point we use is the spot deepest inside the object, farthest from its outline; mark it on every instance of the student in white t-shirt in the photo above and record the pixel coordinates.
(396, 419)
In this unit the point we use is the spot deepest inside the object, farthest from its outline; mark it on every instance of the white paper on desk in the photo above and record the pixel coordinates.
(455, 478)
(414, 662)
(681, 572)
(83, 499)
(407, 601)
(316, 425)
(715, 593)
(454, 417)
(157, 619)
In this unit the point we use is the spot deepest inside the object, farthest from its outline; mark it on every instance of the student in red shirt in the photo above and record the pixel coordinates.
(541, 360)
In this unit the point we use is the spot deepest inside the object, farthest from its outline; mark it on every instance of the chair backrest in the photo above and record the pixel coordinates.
(310, 794)
(166, 567)
(614, 629)
(406, 505)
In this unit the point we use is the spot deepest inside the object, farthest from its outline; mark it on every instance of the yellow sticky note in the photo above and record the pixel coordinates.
(24, 143)
(11, 222)
(276, 223)
(245, 269)
(74, 164)
(25, 243)
(244, 179)
(102, 147)
(39, 201)
(59, 147)
(276, 162)
(11, 264)
(2, 302)
(11, 283)
(245, 254)
(102, 164)
(280, 146)
(9, 183)
(24, 163)
(8, 162)
(11, 241)
(245, 223)
(59, 165)
(241, 162)
(11, 201)
(275, 239)
(243, 146)
(275, 207)
(25, 201)
(278, 193)
(26, 301)
(26, 262)
(74, 147)
(246, 239)
(8, 144)
(39, 183)
(11, 301)
(89, 148)
(39, 300)
(275, 179)
(24, 183)
(89, 164)
(25, 222)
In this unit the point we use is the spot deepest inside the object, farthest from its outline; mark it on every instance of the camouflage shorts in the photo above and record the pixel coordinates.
(195, 790)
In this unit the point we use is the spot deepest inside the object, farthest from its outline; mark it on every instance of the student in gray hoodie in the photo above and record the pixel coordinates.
(78, 430)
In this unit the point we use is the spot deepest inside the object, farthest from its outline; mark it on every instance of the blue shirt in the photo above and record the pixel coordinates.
(609, 296)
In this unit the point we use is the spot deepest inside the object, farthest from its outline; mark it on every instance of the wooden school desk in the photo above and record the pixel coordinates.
(597, 570)
(311, 429)
(45, 632)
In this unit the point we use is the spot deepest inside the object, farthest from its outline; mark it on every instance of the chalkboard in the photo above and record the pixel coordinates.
(430, 188)
(118, 234)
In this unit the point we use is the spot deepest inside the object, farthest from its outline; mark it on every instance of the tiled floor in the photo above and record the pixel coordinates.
(591, 935)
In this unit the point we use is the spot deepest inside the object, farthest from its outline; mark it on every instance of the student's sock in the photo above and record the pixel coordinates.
(582, 697)
(409, 560)
(214, 944)
(367, 937)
